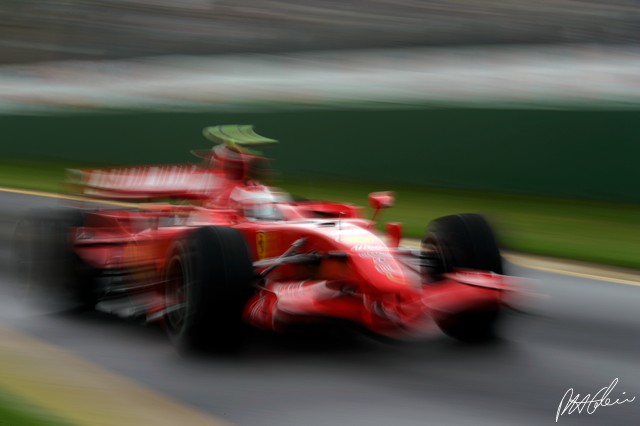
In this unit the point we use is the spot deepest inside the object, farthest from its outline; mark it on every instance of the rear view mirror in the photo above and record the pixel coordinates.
(379, 201)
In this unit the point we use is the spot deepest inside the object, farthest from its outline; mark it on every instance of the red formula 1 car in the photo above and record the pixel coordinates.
(243, 253)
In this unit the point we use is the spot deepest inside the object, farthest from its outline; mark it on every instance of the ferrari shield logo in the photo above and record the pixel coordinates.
(261, 244)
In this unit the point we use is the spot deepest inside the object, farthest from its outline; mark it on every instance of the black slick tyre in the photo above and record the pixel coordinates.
(208, 280)
(464, 241)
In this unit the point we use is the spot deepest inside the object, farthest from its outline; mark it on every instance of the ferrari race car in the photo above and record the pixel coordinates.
(234, 252)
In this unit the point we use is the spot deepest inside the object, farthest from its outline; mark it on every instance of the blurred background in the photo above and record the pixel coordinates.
(44, 30)
(524, 110)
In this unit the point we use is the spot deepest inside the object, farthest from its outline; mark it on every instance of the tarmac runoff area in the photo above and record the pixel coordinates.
(84, 393)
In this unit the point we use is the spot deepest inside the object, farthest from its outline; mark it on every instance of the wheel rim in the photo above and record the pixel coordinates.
(176, 295)
(432, 245)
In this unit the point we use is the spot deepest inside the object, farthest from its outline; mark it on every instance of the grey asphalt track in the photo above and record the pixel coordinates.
(569, 333)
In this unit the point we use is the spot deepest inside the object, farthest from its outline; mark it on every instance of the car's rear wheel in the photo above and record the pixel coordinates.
(464, 241)
(47, 266)
(208, 280)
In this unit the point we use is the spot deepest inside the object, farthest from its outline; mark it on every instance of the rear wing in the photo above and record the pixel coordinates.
(145, 182)
(170, 181)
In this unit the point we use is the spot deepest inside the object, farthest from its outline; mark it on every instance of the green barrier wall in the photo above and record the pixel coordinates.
(584, 154)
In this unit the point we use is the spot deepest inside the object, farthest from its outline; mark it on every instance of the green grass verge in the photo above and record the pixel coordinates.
(600, 232)
(15, 411)
(38, 176)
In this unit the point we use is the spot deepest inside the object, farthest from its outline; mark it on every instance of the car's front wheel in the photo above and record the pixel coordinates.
(208, 280)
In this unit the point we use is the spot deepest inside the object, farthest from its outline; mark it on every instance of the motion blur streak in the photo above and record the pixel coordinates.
(64, 197)
(40, 30)
(539, 76)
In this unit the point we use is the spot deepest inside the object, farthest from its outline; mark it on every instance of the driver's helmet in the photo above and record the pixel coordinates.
(238, 165)
(256, 202)
(232, 162)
